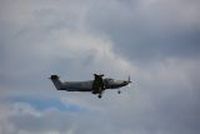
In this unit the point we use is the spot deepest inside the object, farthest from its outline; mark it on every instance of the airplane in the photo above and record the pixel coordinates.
(96, 86)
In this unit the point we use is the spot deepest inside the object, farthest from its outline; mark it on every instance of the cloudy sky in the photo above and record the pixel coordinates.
(157, 42)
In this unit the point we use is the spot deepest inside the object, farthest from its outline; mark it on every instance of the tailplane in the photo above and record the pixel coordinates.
(56, 81)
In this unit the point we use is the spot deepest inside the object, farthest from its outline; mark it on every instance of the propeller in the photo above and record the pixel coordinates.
(129, 81)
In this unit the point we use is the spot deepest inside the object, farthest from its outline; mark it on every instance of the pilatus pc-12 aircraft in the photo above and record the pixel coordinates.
(96, 86)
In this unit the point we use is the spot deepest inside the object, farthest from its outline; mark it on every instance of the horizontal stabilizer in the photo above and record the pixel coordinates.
(54, 77)
(56, 81)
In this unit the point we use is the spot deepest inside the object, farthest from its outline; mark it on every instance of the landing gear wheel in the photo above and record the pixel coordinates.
(119, 92)
(99, 96)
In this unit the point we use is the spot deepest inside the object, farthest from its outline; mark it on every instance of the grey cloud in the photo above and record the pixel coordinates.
(74, 39)
(146, 29)
(51, 121)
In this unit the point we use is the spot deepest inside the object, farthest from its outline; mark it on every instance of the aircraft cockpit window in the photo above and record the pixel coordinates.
(109, 79)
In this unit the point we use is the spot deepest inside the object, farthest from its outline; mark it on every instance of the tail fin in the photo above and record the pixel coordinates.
(56, 81)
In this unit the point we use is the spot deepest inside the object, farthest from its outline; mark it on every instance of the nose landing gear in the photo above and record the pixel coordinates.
(119, 92)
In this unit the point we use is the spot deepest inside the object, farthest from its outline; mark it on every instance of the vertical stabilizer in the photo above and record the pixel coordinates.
(56, 81)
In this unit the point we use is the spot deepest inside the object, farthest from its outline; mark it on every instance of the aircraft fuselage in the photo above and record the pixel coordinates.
(96, 86)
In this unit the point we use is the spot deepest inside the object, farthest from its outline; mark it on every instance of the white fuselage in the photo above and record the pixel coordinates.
(78, 86)
(96, 86)
(87, 85)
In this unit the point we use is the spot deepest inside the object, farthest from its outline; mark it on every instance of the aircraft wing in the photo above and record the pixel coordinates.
(98, 84)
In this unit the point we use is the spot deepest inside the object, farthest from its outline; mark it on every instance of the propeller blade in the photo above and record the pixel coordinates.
(129, 79)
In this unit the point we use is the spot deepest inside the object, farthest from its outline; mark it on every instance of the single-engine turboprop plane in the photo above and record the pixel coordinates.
(96, 86)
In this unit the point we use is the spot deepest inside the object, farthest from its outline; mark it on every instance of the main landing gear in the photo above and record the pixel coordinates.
(119, 92)
(99, 96)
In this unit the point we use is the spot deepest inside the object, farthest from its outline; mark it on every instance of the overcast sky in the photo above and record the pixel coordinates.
(156, 42)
